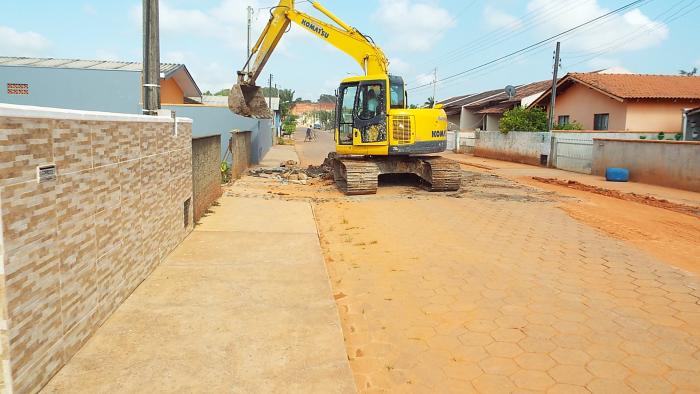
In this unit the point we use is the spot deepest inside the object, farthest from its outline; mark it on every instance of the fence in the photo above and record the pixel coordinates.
(666, 163)
(461, 141)
(92, 202)
(570, 151)
(206, 173)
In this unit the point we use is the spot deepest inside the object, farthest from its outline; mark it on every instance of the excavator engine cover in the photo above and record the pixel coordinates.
(248, 100)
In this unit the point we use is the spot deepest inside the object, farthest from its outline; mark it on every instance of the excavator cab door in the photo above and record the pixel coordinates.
(369, 115)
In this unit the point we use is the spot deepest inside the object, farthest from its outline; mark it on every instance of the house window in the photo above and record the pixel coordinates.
(600, 121)
(18, 88)
(563, 119)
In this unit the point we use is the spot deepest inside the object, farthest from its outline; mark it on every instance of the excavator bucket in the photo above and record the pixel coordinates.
(248, 100)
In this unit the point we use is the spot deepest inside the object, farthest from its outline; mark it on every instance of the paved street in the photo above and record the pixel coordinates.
(499, 289)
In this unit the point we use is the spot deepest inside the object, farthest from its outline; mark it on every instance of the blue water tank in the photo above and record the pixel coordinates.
(614, 174)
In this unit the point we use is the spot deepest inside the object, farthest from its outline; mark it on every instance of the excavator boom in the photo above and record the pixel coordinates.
(247, 99)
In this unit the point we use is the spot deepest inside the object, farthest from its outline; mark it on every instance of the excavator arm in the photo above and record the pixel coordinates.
(246, 98)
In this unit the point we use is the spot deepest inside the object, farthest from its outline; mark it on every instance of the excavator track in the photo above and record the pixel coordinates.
(356, 176)
(360, 175)
(445, 175)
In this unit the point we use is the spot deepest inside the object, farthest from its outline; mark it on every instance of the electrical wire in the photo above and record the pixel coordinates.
(539, 43)
(625, 40)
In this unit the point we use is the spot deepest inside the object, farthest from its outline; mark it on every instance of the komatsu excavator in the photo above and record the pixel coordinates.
(375, 132)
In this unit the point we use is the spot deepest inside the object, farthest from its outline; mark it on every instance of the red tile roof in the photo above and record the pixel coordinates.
(641, 86)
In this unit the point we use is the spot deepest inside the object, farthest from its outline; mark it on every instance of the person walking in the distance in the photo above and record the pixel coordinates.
(309, 134)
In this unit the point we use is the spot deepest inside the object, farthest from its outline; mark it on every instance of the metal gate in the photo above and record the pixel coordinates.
(573, 154)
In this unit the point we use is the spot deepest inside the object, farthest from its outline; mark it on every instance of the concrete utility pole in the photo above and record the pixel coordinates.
(434, 86)
(550, 125)
(272, 113)
(150, 74)
(250, 23)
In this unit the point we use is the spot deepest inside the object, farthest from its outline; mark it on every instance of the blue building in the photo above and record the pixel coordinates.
(113, 86)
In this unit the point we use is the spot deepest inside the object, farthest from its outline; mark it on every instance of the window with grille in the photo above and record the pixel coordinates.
(18, 88)
(600, 121)
(563, 120)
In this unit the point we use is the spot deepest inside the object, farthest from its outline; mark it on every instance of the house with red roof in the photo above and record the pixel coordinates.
(623, 102)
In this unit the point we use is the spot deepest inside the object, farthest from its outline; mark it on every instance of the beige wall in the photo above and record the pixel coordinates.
(469, 121)
(667, 163)
(657, 116)
(581, 103)
(72, 249)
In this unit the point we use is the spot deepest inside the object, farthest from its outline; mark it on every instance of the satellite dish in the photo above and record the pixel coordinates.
(510, 91)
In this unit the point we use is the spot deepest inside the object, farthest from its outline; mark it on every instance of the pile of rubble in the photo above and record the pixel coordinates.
(289, 172)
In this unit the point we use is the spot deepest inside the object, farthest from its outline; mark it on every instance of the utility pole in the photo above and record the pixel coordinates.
(150, 74)
(550, 125)
(250, 22)
(434, 86)
(272, 113)
(269, 101)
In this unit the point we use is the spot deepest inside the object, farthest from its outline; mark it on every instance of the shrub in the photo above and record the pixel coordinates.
(569, 126)
(661, 136)
(524, 119)
(678, 136)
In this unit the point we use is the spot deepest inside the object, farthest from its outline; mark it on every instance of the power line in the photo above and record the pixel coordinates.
(684, 11)
(542, 42)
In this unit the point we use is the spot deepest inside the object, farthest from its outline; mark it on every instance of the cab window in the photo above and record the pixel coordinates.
(370, 101)
(345, 113)
(397, 92)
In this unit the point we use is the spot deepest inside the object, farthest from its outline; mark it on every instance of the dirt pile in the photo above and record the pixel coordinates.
(634, 197)
(289, 171)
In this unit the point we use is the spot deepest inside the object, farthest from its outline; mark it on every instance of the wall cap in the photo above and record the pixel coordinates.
(649, 141)
(30, 111)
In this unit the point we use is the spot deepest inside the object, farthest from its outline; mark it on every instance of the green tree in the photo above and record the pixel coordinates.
(286, 101)
(690, 73)
(524, 119)
(326, 98)
(429, 103)
(222, 92)
(266, 91)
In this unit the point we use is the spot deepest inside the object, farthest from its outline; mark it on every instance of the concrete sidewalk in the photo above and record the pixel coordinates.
(243, 305)
(517, 170)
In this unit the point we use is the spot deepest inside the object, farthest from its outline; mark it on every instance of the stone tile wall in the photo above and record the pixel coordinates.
(72, 249)
(206, 173)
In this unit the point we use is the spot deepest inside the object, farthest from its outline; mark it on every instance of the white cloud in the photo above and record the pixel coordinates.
(497, 19)
(603, 63)
(89, 9)
(398, 66)
(423, 79)
(16, 43)
(413, 25)
(227, 22)
(630, 31)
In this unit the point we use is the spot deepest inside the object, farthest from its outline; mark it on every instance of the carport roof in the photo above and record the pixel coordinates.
(169, 70)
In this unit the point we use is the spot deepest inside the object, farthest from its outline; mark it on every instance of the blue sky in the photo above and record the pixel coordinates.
(417, 35)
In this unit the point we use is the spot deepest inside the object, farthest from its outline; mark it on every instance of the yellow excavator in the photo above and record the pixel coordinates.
(375, 132)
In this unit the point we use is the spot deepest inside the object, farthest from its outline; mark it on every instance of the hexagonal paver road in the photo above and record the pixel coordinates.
(442, 294)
